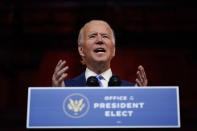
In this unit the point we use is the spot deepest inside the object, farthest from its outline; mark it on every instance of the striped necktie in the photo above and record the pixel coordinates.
(100, 77)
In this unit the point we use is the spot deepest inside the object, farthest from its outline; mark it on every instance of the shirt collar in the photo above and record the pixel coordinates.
(106, 75)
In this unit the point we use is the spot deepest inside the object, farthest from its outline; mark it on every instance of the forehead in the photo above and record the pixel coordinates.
(97, 27)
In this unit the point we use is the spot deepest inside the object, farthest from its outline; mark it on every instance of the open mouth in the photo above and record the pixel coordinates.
(98, 50)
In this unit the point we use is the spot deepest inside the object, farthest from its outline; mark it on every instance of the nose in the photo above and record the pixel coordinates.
(99, 40)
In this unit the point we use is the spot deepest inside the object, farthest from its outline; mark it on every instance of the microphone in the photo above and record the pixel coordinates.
(92, 81)
(114, 81)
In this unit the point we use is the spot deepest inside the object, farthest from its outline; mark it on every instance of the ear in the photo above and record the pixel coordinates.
(80, 49)
(114, 51)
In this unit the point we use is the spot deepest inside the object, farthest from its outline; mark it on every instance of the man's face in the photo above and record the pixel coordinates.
(97, 44)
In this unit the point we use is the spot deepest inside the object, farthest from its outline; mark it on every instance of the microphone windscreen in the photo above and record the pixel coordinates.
(92, 81)
(114, 81)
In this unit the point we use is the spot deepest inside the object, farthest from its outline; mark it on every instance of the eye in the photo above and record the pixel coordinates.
(92, 36)
(105, 36)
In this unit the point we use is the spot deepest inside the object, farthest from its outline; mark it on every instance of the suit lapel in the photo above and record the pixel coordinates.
(82, 79)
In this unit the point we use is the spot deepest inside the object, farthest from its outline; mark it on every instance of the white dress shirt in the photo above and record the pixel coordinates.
(106, 75)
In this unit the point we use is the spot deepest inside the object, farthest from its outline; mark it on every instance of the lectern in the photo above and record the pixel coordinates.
(95, 107)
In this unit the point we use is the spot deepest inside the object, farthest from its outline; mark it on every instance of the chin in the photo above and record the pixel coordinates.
(101, 61)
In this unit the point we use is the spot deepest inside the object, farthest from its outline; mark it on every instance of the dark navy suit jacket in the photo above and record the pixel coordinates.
(80, 81)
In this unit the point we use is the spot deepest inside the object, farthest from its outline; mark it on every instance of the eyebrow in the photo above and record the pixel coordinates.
(94, 33)
(104, 34)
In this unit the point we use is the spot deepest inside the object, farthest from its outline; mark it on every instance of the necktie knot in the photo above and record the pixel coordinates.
(100, 77)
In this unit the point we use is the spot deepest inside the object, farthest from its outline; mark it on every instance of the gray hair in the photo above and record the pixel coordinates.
(81, 32)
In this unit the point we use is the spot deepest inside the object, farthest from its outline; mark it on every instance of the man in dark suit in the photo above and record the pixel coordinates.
(96, 46)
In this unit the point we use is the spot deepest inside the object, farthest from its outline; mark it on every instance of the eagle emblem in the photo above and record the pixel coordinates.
(76, 105)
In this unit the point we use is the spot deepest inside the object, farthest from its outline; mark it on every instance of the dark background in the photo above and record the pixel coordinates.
(160, 35)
